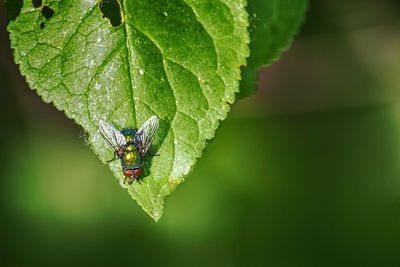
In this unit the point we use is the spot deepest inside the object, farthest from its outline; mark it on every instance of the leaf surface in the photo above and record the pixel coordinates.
(273, 24)
(177, 59)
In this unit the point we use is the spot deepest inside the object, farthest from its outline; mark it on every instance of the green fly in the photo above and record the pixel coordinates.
(129, 145)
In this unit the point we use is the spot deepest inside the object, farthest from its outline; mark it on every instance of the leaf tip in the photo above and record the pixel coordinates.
(156, 216)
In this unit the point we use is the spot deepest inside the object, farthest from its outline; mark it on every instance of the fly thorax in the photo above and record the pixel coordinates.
(130, 148)
(131, 157)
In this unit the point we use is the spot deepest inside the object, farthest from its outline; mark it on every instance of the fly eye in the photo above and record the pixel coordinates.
(128, 173)
(138, 172)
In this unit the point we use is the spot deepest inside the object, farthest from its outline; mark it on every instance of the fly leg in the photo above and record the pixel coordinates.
(153, 155)
(108, 161)
(133, 178)
(122, 182)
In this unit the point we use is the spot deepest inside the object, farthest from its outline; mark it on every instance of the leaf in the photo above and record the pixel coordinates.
(273, 25)
(175, 59)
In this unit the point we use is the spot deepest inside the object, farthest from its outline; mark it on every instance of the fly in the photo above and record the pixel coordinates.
(129, 145)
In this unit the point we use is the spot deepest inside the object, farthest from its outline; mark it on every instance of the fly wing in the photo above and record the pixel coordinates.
(145, 135)
(114, 138)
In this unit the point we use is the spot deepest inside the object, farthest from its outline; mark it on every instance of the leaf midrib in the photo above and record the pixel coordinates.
(128, 49)
(129, 46)
(164, 59)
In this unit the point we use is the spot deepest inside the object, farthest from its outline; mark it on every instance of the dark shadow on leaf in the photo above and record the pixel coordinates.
(163, 130)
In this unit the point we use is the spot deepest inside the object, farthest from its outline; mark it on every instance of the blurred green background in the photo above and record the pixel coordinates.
(305, 173)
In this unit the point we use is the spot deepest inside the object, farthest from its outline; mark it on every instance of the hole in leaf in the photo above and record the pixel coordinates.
(47, 12)
(111, 9)
(37, 3)
(42, 25)
(13, 9)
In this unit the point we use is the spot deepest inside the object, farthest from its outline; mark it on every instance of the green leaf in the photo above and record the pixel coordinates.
(175, 59)
(273, 24)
